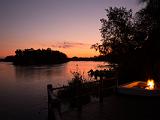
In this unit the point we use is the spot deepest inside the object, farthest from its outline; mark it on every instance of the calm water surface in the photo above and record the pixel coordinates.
(23, 89)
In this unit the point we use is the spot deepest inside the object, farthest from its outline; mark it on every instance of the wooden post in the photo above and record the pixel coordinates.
(51, 114)
(116, 85)
(49, 89)
(101, 90)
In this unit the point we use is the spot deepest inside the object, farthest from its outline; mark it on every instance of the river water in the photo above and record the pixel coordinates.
(23, 93)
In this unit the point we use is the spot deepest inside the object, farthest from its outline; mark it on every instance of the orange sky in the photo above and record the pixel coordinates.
(70, 26)
(71, 52)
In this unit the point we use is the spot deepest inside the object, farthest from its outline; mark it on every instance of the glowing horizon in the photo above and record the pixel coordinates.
(69, 52)
(70, 26)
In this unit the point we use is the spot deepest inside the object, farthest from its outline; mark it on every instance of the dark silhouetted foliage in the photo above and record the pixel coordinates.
(39, 56)
(76, 91)
(149, 23)
(101, 73)
(118, 42)
(117, 34)
(132, 42)
(95, 58)
(10, 58)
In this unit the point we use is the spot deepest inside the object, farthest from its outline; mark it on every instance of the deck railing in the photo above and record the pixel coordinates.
(99, 88)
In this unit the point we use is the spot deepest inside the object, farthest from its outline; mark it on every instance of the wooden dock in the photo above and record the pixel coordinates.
(100, 88)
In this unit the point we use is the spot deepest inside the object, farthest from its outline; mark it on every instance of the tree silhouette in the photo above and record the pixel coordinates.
(39, 56)
(117, 34)
(149, 23)
(132, 42)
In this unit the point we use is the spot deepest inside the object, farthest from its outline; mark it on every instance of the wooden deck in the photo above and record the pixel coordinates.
(118, 107)
(80, 96)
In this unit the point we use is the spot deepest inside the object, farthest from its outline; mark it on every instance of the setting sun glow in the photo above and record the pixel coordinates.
(70, 26)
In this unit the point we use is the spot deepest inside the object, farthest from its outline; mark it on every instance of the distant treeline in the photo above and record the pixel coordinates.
(39, 56)
(95, 58)
(45, 56)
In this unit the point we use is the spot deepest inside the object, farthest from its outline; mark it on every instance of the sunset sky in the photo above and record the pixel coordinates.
(70, 26)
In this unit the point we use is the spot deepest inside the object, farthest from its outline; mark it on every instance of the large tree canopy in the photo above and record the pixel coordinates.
(117, 33)
(132, 42)
(148, 20)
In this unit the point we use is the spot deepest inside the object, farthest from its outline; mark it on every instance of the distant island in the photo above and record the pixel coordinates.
(45, 56)
(36, 57)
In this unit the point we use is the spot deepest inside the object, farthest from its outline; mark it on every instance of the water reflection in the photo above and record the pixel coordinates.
(56, 74)
(33, 73)
(23, 89)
